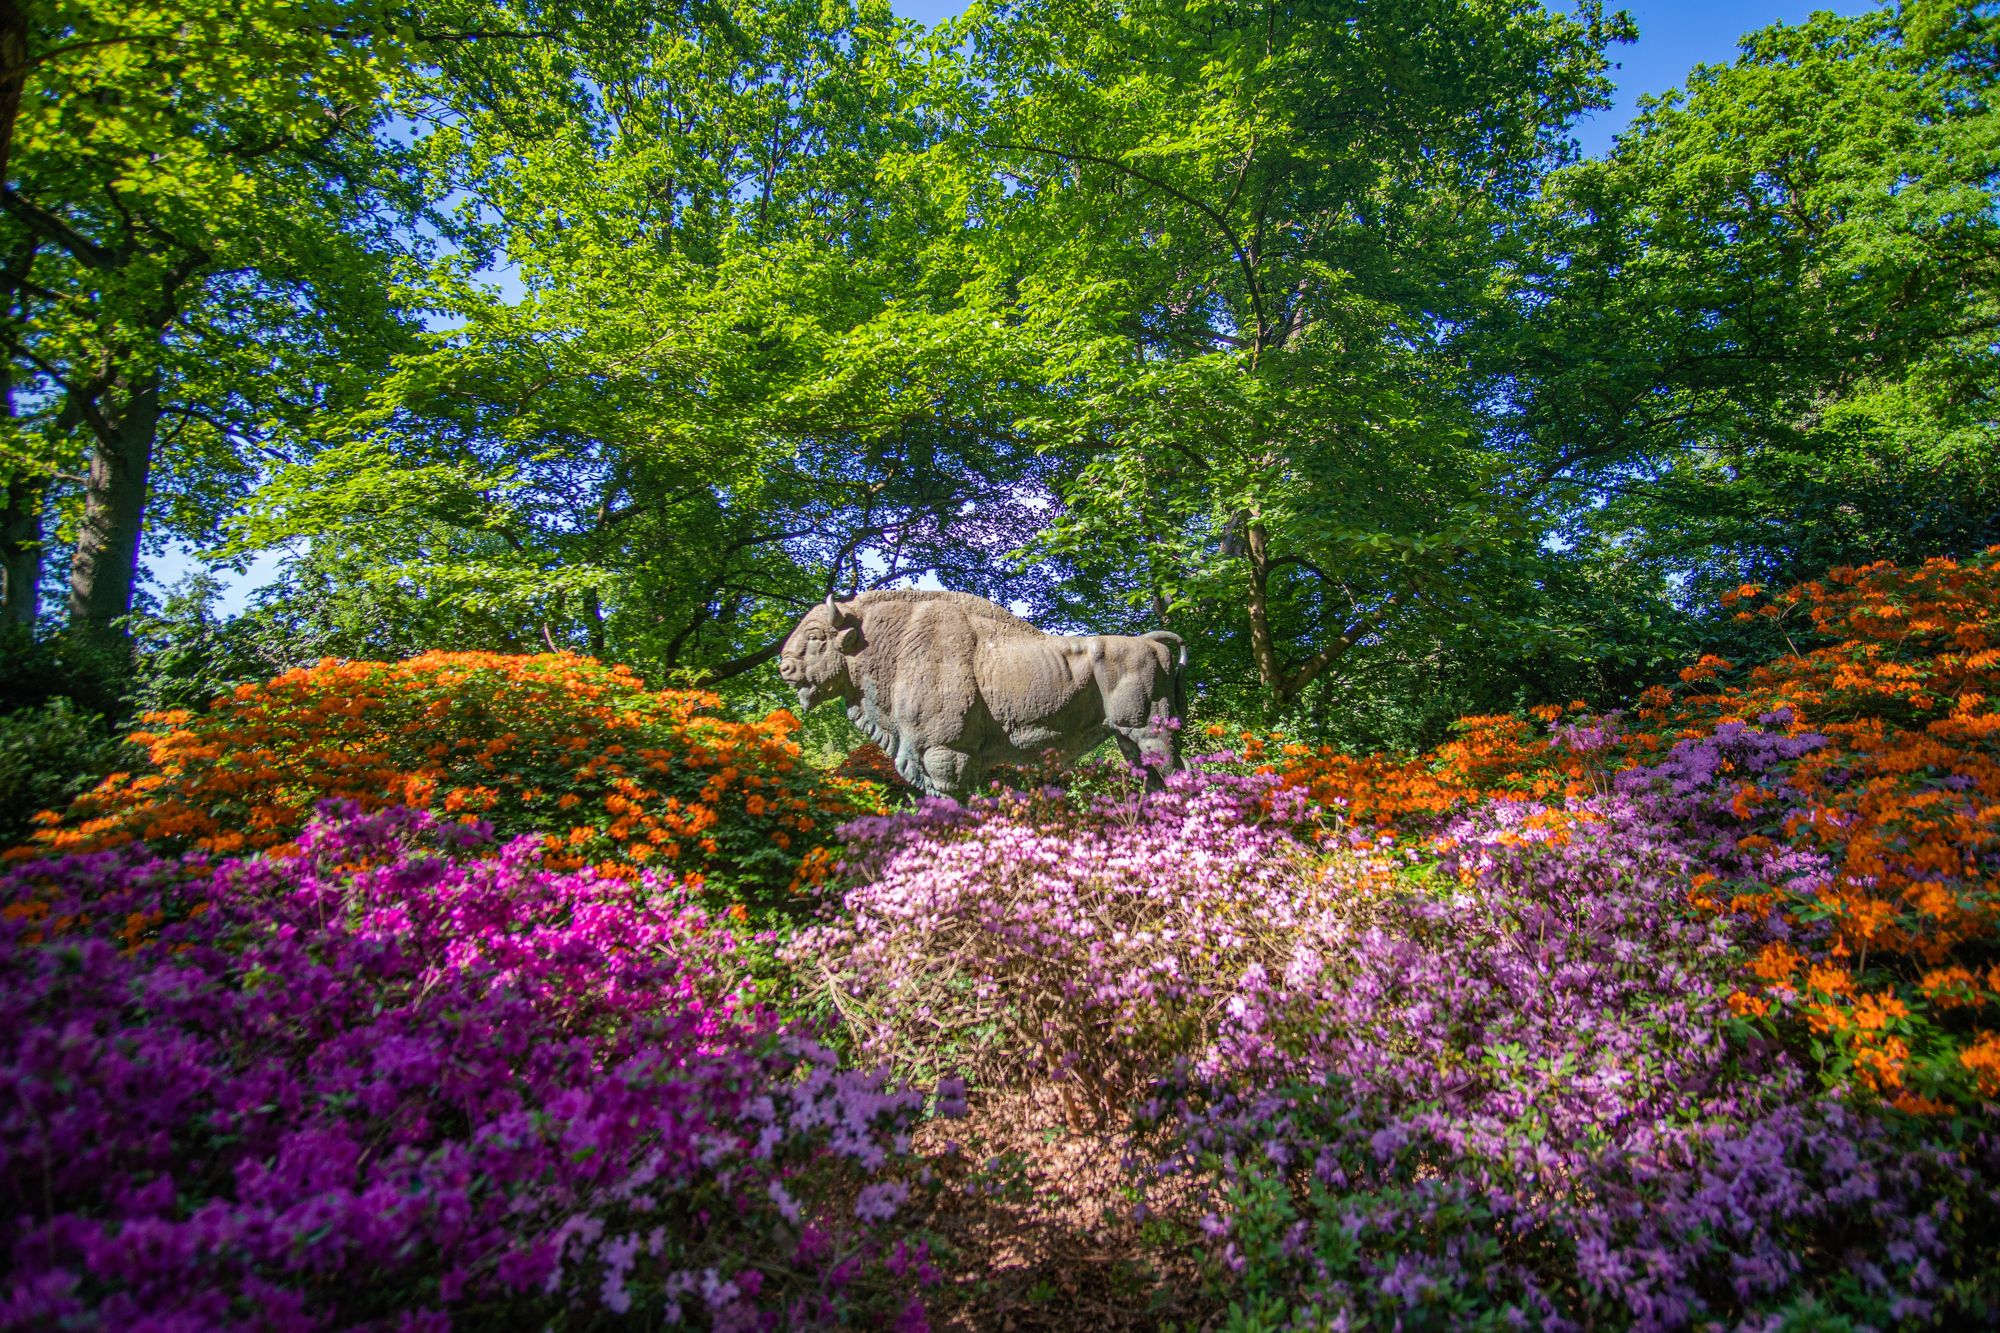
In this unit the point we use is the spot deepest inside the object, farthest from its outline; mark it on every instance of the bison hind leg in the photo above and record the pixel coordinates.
(1153, 749)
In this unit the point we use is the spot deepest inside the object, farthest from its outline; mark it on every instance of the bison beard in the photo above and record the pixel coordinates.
(950, 684)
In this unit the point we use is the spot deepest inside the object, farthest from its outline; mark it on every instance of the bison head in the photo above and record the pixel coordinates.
(814, 658)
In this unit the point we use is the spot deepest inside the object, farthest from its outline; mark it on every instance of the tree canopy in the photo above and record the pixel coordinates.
(1306, 330)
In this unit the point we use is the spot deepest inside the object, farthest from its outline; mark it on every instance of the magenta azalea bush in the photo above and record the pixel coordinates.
(1494, 1081)
(406, 1080)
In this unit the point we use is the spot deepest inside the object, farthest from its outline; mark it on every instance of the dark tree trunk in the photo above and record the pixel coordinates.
(13, 73)
(21, 551)
(106, 564)
(21, 506)
(20, 530)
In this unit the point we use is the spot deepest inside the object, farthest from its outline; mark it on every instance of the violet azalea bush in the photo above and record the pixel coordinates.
(1501, 1079)
(406, 1080)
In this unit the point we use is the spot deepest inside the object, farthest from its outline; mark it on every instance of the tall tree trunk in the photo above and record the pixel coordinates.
(20, 527)
(21, 551)
(106, 564)
(1263, 648)
(13, 73)
(1285, 686)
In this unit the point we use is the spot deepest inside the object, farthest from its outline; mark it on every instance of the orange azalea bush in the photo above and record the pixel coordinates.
(1894, 676)
(1497, 757)
(869, 762)
(1903, 679)
(613, 775)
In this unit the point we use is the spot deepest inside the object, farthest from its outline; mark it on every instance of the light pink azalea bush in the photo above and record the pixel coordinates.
(1022, 936)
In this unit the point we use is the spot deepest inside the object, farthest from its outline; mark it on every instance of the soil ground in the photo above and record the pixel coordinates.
(1044, 1227)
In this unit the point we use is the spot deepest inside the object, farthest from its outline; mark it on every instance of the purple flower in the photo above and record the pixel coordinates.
(401, 1067)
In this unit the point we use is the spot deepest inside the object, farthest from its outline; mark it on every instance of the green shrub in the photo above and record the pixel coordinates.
(50, 754)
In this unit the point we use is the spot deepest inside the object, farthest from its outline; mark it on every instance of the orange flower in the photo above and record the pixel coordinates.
(1748, 1006)
(1881, 1066)
(1982, 1057)
(1951, 988)
(1777, 963)
(1872, 1013)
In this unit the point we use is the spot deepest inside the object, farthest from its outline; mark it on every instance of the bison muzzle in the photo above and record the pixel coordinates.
(950, 684)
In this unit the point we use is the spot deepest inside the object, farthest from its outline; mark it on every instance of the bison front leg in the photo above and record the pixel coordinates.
(947, 772)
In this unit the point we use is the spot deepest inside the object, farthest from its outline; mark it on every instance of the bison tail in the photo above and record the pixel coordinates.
(1168, 636)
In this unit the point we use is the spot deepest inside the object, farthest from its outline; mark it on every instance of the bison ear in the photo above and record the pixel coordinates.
(850, 640)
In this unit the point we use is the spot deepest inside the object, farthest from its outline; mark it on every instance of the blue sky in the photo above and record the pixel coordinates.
(1674, 37)
(1677, 35)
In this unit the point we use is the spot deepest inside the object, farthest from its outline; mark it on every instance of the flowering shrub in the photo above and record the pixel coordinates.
(869, 762)
(1024, 935)
(613, 775)
(1516, 1091)
(1882, 962)
(1498, 757)
(385, 1081)
(1895, 975)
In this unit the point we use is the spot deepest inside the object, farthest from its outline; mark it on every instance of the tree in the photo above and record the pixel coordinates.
(734, 380)
(196, 222)
(1249, 243)
(1767, 342)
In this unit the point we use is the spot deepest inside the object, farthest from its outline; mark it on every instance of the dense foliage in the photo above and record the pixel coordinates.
(1767, 348)
(607, 773)
(632, 329)
(385, 953)
(1870, 830)
(390, 1081)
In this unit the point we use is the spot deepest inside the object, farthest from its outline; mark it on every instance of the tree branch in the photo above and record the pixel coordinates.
(52, 228)
(1242, 255)
(736, 666)
(1309, 670)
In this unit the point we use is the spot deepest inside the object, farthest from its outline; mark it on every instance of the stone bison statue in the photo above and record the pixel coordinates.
(950, 684)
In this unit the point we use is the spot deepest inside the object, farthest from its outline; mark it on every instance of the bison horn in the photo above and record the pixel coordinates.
(840, 618)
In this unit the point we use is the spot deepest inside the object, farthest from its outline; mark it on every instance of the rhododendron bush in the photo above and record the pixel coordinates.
(1504, 1077)
(1884, 957)
(1516, 1085)
(398, 1077)
(608, 773)
(1022, 935)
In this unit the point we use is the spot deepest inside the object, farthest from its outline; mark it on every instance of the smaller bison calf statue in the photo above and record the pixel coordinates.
(950, 684)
